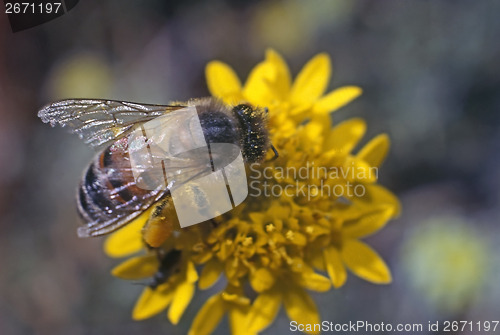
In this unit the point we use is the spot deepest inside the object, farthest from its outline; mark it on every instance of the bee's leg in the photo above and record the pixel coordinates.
(160, 253)
(276, 154)
(160, 224)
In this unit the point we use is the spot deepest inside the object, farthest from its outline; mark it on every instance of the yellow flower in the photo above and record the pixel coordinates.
(299, 229)
(445, 259)
(269, 84)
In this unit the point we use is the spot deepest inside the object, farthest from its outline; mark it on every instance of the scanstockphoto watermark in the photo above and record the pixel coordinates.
(357, 327)
(310, 181)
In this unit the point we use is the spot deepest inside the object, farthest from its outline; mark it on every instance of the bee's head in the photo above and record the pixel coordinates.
(243, 124)
(254, 133)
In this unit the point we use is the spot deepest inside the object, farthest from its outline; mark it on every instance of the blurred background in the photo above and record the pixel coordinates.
(430, 72)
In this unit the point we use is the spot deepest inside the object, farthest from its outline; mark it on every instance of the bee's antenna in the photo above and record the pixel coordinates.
(139, 283)
(151, 284)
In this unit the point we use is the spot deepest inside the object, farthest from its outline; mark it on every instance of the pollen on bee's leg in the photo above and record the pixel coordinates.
(160, 225)
(157, 231)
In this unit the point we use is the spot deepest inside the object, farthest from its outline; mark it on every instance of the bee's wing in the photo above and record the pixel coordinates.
(98, 122)
(181, 168)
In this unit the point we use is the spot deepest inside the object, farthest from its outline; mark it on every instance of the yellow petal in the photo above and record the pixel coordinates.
(344, 137)
(378, 195)
(356, 170)
(278, 211)
(375, 151)
(235, 298)
(208, 316)
(312, 80)
(152, 302)
(182, 297)
(301, 111)
(128, 239)
(334, 266)
(368, 224)
(191, 273)
(210, 273)
(262, 279)
(347, 213)
(237, 320)
(314, 281)
(326, 122)
(137, 267)
(316, 260)
(222, 81)
(336, 99)
(300, 307)
(364, 262)
(314, 129)
(282, 79)
(264, 310)
(257, 218)
(258, 87)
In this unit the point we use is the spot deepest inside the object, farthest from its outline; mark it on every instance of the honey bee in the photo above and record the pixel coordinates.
(108, 196)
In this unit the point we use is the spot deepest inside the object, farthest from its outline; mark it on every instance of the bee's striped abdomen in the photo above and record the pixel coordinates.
(107, 186)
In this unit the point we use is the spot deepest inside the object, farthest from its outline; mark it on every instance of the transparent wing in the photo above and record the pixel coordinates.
(98, 122)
